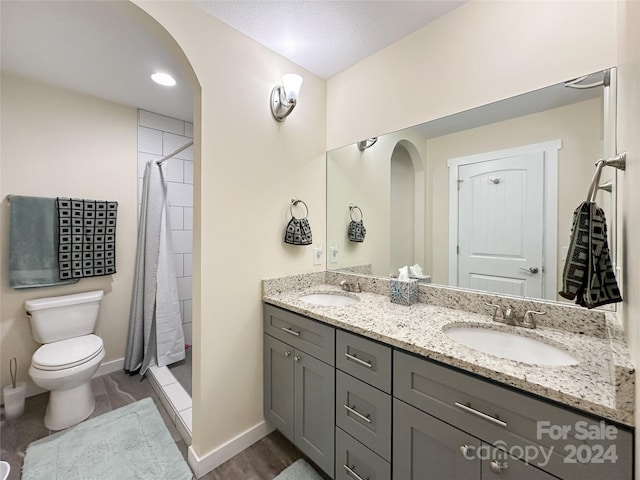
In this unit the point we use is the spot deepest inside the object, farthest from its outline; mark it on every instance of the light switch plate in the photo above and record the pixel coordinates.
(317, 255)
(333, 254)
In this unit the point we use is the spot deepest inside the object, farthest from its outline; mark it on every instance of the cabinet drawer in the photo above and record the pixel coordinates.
(354, 460)
(364, 359)
(305, 334)
(516, 421)
(365, 413)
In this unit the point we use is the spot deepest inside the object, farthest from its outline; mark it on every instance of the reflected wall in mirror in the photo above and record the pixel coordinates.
(482, 199)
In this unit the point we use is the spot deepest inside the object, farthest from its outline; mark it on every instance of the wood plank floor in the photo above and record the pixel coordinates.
(262, 461)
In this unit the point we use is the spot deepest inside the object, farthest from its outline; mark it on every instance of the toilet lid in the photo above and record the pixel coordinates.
(67, 353)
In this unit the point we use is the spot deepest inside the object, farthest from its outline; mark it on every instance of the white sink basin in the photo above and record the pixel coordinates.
(329, 299)
(511, 346)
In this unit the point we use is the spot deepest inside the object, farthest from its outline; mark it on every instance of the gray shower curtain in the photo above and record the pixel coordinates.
(155, 327)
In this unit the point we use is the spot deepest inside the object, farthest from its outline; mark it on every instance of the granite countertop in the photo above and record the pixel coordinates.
(601, 384)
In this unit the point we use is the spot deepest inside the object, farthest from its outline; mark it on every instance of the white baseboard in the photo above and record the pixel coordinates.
(110, 367)
(201, 465)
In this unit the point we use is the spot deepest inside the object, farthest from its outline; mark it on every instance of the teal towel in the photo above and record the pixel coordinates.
(33, 243)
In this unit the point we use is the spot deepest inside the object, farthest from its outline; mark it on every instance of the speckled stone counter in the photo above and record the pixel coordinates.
(602, 384)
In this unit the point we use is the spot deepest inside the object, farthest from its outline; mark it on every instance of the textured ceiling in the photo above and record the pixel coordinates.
(326, 36)
(96, 48)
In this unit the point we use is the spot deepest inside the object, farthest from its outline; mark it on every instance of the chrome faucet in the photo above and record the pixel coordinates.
(350, 287)
(508, 316)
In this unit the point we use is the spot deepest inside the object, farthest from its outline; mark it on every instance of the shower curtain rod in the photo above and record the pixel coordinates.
(173, 154)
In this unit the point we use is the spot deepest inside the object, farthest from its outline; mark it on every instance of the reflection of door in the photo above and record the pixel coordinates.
(500, 224)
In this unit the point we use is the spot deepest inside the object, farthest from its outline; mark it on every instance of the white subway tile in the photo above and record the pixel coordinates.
(171, 142)
(149, 141)
(161, 122)
(162, 375)
(179, 261)
(180, 194)
(176, 218)
(187, 317)
(188, 129)
(183, 425)
(188, 264)
(188, 218)
(184, 288)
(178, 397)
(188, 172)
(174, 170)
(182, 241)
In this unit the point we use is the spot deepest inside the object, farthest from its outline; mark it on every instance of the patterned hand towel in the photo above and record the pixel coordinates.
(87, 237)
(356, 231)
(588, 273)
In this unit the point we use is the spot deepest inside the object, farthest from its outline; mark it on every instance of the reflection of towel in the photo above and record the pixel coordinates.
(356, 231)
(33, 243)
(588, 273)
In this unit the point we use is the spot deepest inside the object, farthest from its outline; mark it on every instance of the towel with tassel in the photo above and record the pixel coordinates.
(33, 243)
(588, 275)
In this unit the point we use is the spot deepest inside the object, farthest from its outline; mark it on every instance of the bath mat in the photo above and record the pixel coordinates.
(131, 442)
(300, 470)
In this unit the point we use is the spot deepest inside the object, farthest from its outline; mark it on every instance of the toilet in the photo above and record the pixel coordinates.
(70, 355)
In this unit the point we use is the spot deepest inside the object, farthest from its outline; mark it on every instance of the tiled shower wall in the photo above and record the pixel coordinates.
(158, 136)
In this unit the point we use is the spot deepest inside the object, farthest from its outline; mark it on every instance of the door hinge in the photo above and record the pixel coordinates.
(459, 182)
(458, 249)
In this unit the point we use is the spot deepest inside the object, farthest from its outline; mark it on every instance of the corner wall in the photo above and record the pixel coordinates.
(479, 53)
(247, 169)
(629, 141)
(59, 143)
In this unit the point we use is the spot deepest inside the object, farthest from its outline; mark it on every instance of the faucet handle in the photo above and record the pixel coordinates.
(497, 309)
(528, 320)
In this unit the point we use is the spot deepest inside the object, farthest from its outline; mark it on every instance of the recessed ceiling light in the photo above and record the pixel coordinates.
(163, 79)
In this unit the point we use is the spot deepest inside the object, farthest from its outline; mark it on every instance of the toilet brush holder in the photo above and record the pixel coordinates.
(14, 400)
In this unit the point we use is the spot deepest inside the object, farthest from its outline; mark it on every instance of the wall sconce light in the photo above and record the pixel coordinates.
(364, 144)
(284, 98)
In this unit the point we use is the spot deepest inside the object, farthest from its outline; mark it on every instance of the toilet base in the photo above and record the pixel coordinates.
(69, 407)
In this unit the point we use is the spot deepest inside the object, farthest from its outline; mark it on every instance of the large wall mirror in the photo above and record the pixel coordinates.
(482, 199)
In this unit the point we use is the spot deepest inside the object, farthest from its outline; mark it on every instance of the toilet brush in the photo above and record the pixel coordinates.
(14, 393)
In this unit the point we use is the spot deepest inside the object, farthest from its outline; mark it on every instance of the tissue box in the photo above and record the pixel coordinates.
(404, 292)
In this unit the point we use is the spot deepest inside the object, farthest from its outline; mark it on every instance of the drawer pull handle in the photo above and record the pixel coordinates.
(353, 474)
(467, 408)
(497, 467)
(353, 358)
(292, 332)
(287, 354)
(357, 413)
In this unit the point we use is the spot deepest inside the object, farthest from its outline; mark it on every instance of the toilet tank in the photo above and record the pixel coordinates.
(66, 316)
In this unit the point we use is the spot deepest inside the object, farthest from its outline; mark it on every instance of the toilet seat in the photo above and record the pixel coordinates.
(67, 353)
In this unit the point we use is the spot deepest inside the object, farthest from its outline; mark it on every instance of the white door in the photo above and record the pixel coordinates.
(500, 225)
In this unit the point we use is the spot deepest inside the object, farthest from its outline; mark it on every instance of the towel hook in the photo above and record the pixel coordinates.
(294, 202)
(353, 207)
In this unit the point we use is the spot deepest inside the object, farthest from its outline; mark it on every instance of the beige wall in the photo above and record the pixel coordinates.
(57, 143)
(629, 141)
(247, 169)
(479, 53)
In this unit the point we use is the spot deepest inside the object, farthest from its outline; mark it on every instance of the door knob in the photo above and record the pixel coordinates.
(533, 270)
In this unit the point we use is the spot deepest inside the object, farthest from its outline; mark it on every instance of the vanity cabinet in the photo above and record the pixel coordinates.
(299, 387)
(361, 409)
(553, 440)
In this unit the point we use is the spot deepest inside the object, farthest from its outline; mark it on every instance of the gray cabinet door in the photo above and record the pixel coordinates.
(498, 465)
(278, 385)
(425, 448)
(315, 409)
